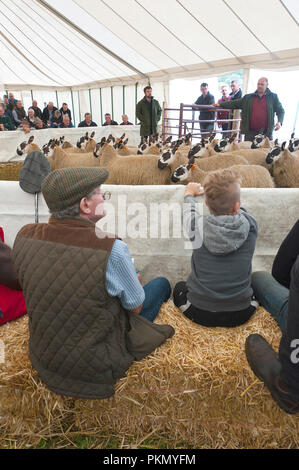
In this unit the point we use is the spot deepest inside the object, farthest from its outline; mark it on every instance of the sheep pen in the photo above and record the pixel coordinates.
(196, 391)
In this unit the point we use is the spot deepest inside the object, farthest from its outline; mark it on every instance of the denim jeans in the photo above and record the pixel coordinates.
(272, 296)
(156, 292)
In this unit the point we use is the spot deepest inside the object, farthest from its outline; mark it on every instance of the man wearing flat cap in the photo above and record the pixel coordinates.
(89, 316)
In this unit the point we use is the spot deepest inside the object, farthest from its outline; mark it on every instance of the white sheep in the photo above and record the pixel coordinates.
(284, 167)
(253, 176)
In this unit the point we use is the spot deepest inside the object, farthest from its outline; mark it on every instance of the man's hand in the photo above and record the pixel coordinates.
(216, 104)
(194, 189)
(139, 277)
(1, 127)
(278, 126)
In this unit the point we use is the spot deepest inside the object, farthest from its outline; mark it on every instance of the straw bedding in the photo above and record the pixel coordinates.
(195, 391)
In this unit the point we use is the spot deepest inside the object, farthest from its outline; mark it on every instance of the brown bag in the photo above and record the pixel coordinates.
(144, 336)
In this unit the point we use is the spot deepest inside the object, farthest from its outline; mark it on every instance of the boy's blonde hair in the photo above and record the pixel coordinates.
(222, 190)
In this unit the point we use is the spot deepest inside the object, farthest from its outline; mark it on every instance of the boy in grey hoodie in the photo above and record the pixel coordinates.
(218, 291)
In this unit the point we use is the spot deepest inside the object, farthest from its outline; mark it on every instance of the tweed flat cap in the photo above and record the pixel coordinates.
(64, 187)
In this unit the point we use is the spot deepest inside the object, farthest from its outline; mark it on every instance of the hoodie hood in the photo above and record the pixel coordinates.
(224, 234)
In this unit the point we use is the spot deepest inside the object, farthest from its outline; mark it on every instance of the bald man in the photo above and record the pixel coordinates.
(258, 110)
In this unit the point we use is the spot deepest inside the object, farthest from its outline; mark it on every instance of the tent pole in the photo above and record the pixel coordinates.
(112, 111)
(101, 107)
(73, 107)
(90, 106)
(135, 102)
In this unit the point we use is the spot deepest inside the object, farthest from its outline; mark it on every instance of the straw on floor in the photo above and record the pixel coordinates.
(196, 390)
(10, 171)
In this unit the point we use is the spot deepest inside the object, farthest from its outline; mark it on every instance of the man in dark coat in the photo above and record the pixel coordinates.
(258, 111)
(148, 111)
(236, 93)
(37, 111)
(87, 121)
(205, 99)
(65, 110)
(109, 121)
(48, 113)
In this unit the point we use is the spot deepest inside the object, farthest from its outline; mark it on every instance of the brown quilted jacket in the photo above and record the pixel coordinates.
(77, 330)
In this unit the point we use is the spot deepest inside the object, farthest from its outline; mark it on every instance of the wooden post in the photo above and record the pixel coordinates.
(181, 119)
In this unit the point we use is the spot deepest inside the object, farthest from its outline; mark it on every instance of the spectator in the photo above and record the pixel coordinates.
(5, 101)
(39, 124)
(48, 112)
(148, 111)
(11, 99)
(37, 111)
(223, 115)
(65, 122)
(21, 113)
(236, 93)
(11, 113)
(205, 99)
(125, 121)
(109, 121)
(279, 295)
(258, 110)
(56, 119)
(25, 126)
(5, 122)
(218, 291)
(65, 110)
(31, 118)
(87, 121)
(80, 345)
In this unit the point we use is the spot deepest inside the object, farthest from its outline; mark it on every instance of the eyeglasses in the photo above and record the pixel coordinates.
(106, 195)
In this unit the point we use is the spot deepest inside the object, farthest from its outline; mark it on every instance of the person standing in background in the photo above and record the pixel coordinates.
(236, 93)
(148, 111)
(205, 99)
(223, 115)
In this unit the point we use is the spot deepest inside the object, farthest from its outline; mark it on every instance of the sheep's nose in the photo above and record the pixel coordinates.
(269, 159)
(217, 149)
(174, 179)
(253, 146)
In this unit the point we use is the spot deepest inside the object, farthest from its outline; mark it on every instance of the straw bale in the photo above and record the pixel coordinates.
(196, 390)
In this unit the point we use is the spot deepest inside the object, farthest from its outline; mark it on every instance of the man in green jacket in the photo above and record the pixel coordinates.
(5, 122)
(148, 111)
(258, 111)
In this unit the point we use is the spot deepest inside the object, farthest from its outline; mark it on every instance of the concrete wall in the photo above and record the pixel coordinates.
(138, 212)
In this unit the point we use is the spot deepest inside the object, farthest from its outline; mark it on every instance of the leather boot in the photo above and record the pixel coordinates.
(265, 364)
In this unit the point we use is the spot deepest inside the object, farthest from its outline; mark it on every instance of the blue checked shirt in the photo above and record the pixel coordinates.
(121, 278)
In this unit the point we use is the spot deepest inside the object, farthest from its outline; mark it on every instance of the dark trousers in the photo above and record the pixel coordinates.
(206, 126)
(251, 135)
(156, 292)
(283, 305)
(206, 318)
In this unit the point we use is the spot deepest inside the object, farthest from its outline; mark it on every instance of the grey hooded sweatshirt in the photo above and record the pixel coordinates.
(220, 279)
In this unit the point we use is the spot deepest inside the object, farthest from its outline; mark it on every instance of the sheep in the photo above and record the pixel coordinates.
(206, 164)
(134, 170)
(58, 158)
(27, 147)
(293, 143)
(285, 169)
(86, 143)
(260, 141)
(253, 176)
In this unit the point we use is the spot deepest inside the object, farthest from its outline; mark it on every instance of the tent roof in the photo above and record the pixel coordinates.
(76, 43)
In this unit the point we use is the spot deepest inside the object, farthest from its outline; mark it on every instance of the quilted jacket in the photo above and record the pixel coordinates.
(77, 330)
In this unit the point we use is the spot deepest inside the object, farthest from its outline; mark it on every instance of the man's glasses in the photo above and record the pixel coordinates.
(106, 195)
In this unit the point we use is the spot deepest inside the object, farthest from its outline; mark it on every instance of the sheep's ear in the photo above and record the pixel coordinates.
(292, 135)
(283, 145)
(31, 139)
(203, 143)
(276, 142)
(232, 138)
(92, 135)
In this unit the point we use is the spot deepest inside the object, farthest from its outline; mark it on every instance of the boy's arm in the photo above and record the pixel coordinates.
(191, 213)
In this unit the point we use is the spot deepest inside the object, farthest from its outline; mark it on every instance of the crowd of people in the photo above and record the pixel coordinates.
(13, 116)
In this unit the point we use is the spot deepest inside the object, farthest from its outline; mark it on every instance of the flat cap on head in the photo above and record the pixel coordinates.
(64, 187)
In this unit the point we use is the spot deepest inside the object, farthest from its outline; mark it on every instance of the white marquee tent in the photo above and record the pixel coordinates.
(97, 55)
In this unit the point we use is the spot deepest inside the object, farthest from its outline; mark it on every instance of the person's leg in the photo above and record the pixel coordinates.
(156, 292)
(250, 135)
(289, 345)
(271, 295)
(180, 295)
